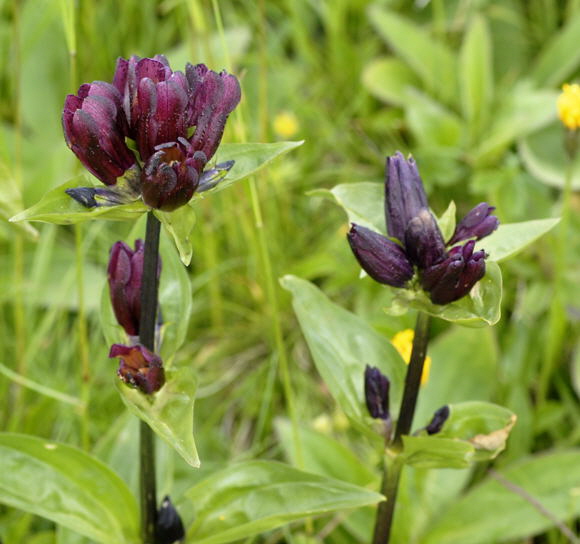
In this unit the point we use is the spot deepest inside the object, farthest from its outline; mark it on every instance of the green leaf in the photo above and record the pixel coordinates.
(482, 306)
(476, 75)
(510, 239)
(432, 123)
(560, 57)
(58, 207)
(447, 221)
(67, 486)
(435, 452)
(523, 110)
(341, 345)
(484, 425)
(432, 61)
(252, 497)
(323, 455)
(496, 511)
(169, 412)
(388, 79)
(544, 156)
(363, 202)
(249, 158)
(179, 225)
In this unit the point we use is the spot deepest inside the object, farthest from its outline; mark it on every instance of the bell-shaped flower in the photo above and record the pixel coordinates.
(213, 97)
(377, 393)
(93, 122)
(139, 367)
(381, 258)
(477, 224)
(171, 176)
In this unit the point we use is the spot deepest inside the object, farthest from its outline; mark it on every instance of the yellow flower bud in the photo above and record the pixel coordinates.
(569, 106)
(285, 124)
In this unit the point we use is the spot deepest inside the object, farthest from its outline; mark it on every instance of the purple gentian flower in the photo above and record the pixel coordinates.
(446, 274)
(139, 367)
(176, 121)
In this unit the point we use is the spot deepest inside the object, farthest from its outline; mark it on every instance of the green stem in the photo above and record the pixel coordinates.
(149, 304)
(556, 316)
(392, 470)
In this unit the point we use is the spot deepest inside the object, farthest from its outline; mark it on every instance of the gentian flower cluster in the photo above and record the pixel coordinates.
(446, 271)
(139, 367)
(151, 132)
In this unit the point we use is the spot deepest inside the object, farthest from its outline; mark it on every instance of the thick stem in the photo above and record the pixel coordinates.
(392, 470)
(149, 288)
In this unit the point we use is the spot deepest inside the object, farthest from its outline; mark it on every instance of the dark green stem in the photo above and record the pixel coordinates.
(392, 470)
(149, 288)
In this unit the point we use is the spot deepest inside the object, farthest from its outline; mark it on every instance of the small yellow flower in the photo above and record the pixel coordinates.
(403, 342)
(569, 106)
(285, 124)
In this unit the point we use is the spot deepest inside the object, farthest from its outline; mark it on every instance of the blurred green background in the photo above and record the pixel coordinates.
(468, 86)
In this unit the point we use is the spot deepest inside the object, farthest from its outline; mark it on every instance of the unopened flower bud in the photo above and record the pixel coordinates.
(381, 258)
(438, 420)
(125, 272)
(404, 194)
(169, 528)
(377, 393)
(477, 224)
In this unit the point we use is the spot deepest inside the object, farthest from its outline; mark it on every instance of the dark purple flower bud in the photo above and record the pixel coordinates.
(381, 258)
(213, 97)
(210, 178)
(453, 278)
(139, 367)
(477, 224)
(169, 528)
(171, 176)
(93, 123)
(125, 272)
(404, 195)
(377, 393)
(439, 418)
(424, 244)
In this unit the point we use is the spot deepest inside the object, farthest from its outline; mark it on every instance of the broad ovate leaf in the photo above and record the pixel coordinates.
(252, 497)
(169, 412)
(67, 486)
(342, 345)
(512, 238)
